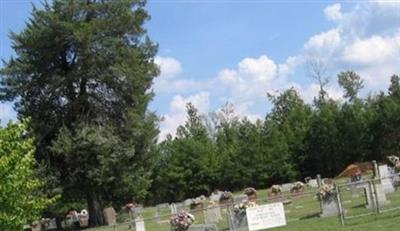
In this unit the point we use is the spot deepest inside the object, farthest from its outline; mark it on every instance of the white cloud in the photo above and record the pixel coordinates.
(365, 39)
(387, 3)
(333, 12)
(261, 69)
(372, 51)
(169, 67)
(325, 42)
(177, 112)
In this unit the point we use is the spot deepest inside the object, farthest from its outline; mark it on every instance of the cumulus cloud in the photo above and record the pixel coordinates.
(169, 67)
(333, 12)
(323, 43)
(262, 69)
(372, 51)
(365, 39)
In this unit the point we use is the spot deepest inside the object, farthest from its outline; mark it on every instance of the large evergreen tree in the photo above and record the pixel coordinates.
(83, 71)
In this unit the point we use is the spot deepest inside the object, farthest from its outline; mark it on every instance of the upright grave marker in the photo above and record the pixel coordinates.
(139, 224)
(385, 179)
(266, 216)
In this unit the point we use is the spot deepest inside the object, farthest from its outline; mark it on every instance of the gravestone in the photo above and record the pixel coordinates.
(173, 208)
(109, 216)
(385, 179)
(329, 208)
(313, 183)
(237, 220)
(370, 196)
(215, 196)
(212, 214)
(286, 187)
(187, 202)
(266, 216)
(139, 224)
(239, 198)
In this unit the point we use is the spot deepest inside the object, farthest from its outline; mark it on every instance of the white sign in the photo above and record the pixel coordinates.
(266, 216)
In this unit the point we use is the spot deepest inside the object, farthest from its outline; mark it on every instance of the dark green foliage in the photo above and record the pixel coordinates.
(294, 141)
(83, 71)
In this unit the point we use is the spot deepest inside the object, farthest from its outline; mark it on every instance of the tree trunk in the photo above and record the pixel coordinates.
(95, 212)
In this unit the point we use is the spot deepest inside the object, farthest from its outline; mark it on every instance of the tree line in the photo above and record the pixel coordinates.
(295, 140)
(81, 81)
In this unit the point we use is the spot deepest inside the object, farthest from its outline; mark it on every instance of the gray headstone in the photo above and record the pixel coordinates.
(239, 198)
(329, 208)
(212, 214)
(187, 202)
(237, 220)
(286, 187)
(385, 179)
(109, 216)
(370, 196)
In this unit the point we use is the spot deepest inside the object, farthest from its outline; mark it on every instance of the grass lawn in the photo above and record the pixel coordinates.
(301, 214)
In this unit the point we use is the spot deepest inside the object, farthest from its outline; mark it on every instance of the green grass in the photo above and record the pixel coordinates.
(301, 214)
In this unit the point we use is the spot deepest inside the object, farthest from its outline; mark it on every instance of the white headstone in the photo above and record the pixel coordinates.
(139, 224)
(173, 208)
(266, 216)
(286, 187)
(215, 196)
(313, 183)
(386, 180)
(371, 201)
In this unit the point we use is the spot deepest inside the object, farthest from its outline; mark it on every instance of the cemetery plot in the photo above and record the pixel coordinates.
(354, 200)
(391, 186)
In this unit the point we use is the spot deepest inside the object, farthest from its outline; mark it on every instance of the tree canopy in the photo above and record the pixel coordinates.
(83, 72)
(20, 198)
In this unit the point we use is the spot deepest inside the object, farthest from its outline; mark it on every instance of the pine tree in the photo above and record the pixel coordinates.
(83, 69)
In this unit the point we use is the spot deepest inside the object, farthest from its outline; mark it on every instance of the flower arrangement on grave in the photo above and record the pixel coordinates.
(181, 221)
(251, 193)
(326, 192)
(226, 196)
(276, 189)
(395, 161)
(297, 187)
(197, 202)
(244, 205)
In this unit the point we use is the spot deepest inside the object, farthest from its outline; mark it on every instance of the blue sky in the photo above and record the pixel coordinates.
(211, 52)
